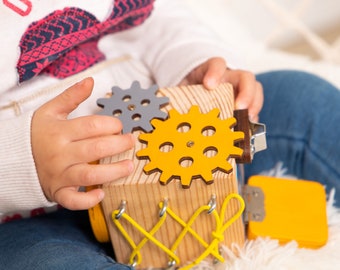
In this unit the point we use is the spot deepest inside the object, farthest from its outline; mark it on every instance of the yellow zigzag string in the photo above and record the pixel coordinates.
(212, 248)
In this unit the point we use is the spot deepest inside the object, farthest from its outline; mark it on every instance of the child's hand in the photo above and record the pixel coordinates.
(248, 91)
(63, 148)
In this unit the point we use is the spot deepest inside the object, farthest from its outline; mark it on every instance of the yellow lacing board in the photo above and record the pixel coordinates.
(210, 248)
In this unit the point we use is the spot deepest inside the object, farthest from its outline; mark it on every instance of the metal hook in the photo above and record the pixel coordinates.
(122, 209)
(164, 207)
(134, 264)
(171, 264)
(212, 203)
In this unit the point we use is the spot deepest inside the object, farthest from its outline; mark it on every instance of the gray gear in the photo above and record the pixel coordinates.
(135, 106)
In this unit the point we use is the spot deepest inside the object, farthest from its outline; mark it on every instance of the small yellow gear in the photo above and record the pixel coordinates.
(192, 145)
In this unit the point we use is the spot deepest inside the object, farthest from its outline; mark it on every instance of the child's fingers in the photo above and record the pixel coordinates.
(256, 105)
(245, 89)
(209, 73)
(244, 84)
(215, 69)
(73, 199)
(100, 147)
(88, 175)
(92, 126)
(95, 174)
(63, 104)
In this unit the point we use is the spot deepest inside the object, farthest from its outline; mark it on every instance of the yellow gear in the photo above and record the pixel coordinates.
(191, 145)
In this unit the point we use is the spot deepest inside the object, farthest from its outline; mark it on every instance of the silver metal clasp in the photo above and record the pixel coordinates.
(258, 138)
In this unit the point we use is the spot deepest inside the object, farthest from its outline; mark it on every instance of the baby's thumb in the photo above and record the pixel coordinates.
(63, 104)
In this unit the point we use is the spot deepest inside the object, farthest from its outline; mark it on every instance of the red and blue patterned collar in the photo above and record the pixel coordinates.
(66, 42)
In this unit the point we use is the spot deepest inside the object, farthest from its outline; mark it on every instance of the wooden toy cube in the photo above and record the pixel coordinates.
(166, 223)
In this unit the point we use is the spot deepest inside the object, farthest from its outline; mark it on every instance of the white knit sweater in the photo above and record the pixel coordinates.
(162, 50)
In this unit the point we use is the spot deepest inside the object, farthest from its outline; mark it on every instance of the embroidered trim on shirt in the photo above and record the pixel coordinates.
(65, 42)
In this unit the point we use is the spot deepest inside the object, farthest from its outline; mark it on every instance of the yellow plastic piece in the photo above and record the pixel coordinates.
(97, 221)
(98, 224)
(294, 210)
(190, 145)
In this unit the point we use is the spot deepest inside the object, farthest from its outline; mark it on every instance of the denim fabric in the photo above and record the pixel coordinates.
(302, 116)
(60, 240)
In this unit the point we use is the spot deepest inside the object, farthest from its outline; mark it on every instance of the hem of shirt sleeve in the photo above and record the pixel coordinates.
(20, 186)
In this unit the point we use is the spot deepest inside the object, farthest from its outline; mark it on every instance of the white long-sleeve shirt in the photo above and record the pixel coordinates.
(162, 49)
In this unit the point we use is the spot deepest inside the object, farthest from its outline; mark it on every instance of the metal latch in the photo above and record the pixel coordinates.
(258, 138)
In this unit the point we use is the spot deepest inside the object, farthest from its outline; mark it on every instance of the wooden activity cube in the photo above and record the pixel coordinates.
(154, 224)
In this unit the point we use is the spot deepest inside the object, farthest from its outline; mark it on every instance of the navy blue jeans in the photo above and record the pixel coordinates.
(60, 240)
(302, 114)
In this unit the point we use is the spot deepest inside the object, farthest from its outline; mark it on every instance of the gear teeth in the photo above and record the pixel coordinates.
(186, 181)
(226, 167)
(173, 113)
(237, 152)
(214, 113)
(194, 110)
(143, 153)
(207, 176)
(165, 178)
(230, 122)
(153, 88)
(149, 167)
(147, 126)
(144, 137)
(156, 122)
(135, 107)
(238, 134)
(135, 84)
(162, 100)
